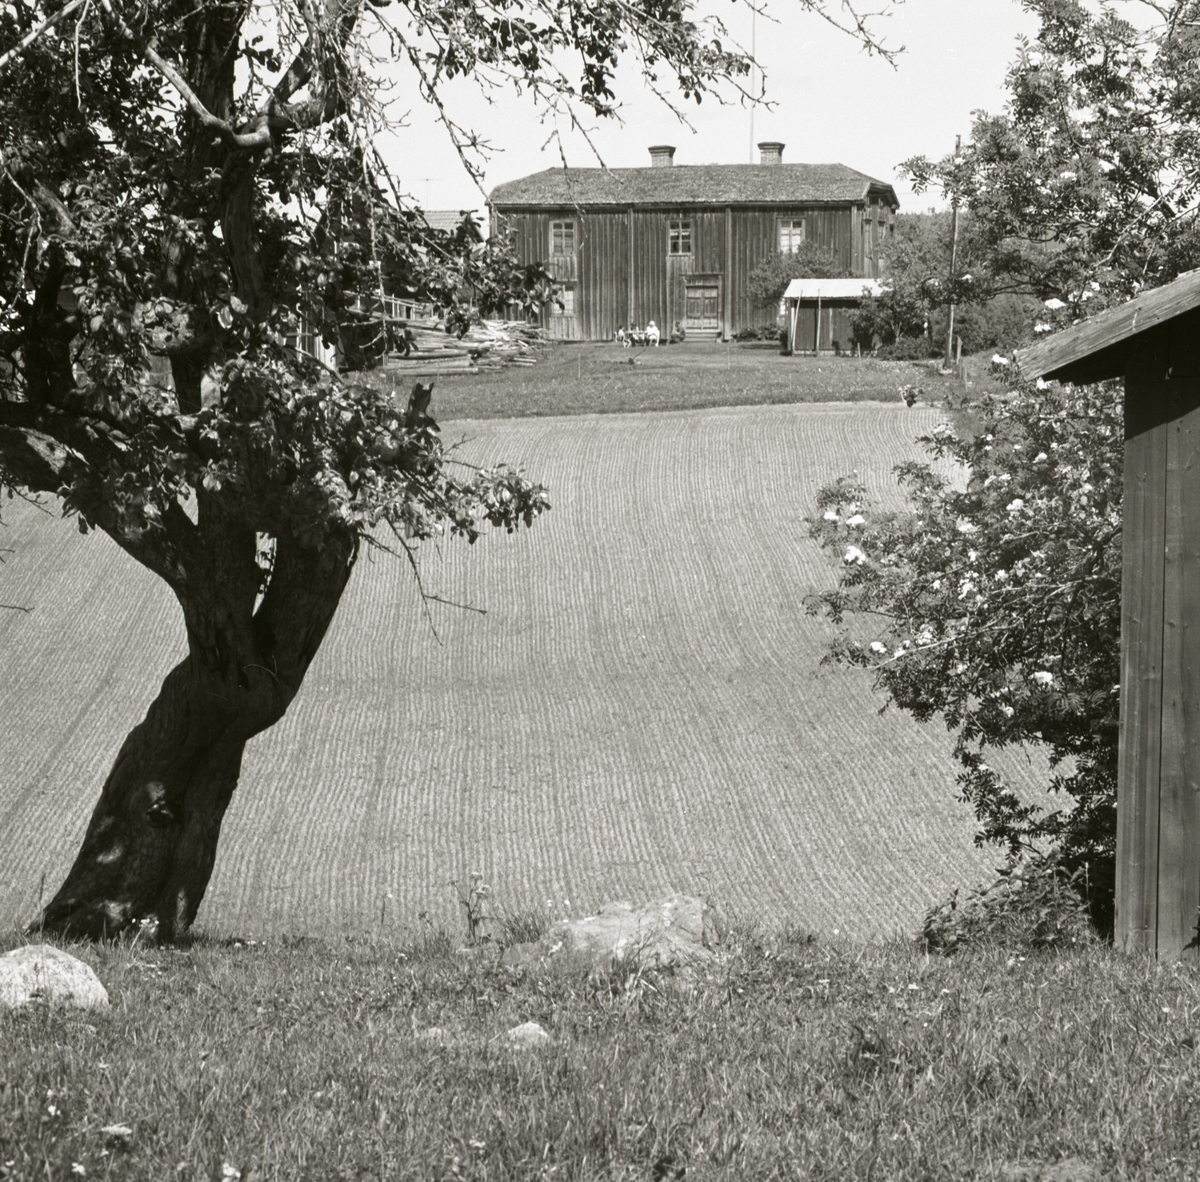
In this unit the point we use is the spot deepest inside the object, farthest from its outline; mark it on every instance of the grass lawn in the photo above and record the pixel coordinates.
(591, 378)
(370, 1060)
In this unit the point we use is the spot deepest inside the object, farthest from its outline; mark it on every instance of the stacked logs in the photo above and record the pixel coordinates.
(493, 344)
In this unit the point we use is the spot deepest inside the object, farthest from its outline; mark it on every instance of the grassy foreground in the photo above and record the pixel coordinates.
(792, 1060)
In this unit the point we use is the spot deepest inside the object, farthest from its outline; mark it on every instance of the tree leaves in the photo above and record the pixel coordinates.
(1091, 171)
(996, 606)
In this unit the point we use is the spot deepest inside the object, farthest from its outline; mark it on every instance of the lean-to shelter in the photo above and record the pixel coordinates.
(820, 312)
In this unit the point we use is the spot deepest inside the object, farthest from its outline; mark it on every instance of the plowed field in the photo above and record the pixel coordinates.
(640, 709)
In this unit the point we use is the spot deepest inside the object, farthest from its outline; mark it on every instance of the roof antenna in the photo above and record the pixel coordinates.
(753, 98)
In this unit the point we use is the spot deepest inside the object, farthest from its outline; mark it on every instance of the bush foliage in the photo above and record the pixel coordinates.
(996, 607)
(768, 281)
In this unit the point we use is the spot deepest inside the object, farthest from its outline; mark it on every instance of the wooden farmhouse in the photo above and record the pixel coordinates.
(1153, 342)
(676, 243)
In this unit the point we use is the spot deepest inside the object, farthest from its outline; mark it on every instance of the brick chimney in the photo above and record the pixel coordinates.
(662, 156)
(772, 152)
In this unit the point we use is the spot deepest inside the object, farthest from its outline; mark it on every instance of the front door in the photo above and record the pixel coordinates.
(703, 303)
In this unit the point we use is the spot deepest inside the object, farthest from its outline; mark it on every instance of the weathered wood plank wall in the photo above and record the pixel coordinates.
(836, 326)
(625, 274)
(1158, 817)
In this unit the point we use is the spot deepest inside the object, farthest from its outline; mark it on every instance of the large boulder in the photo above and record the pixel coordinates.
(39, 972)
(679, 931)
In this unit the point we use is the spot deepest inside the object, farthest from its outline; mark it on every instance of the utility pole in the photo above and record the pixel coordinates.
(953, 256)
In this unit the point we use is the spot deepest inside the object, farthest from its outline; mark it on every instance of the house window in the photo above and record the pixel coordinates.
(562, 239)
(680, 233)
(566, 302)
(791, 235)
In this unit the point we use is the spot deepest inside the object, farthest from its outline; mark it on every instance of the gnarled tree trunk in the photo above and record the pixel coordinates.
(151, 843)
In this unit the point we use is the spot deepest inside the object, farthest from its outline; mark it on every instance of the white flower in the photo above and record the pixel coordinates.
(878, 649)
(1042, 327)
(1094, 285)
(1042, 384)
(966, 527)
(965, 588)
(1007, 711)
(998, 360)
(78, 1168)
(230, 1171)
(1042, 677)
(1040, 458)
(855, 521)
(1015, 506)
(1054, 304)
(831, 515)
(972, 555)
(936, 584)
(1001, 576)
(854, 556)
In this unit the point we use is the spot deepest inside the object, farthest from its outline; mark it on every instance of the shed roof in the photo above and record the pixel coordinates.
(832, 289)
(1098, 348)
(693, 184)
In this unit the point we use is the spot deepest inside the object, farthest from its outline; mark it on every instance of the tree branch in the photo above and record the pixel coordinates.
(260, 137)
(32, 458)
(30, 38)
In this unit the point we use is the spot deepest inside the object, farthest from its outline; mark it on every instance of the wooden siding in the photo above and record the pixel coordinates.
(1158, 777)
(836, 328)
(625, 275)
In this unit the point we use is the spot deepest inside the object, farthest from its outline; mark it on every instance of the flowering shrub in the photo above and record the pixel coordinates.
(996, 606)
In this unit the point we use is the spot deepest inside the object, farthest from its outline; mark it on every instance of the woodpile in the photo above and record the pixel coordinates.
(493, 344)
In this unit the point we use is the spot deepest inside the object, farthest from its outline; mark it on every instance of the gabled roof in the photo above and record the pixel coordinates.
(1097, 349)
(446, 219)
(832, 289)
(693, 184)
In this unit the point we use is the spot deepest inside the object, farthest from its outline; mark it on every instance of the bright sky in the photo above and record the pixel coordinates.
(833, 103)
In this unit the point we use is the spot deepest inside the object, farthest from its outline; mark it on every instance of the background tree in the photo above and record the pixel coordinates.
(767, 282)
(178, 181)
(911, 314)
(1090, 172)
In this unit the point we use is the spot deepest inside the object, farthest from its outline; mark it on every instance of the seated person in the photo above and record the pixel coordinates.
(622, 337)
(652, 333)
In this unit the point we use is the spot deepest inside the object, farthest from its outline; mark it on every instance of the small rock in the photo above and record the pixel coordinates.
(528, 1036)
(40, 972)
(679, 930)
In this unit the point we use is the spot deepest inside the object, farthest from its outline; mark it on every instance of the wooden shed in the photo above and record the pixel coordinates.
(676, 243)
(820, 312)
(1153, 342)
